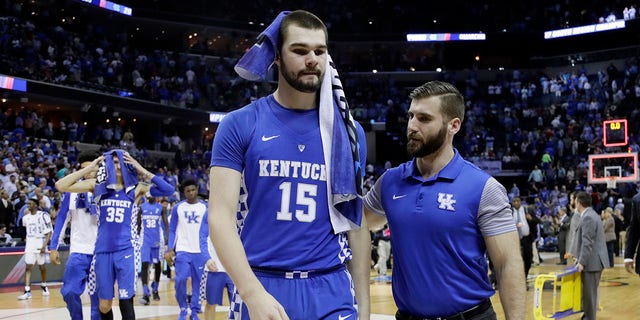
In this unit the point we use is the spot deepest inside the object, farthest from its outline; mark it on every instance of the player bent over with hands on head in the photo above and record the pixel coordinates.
(117, 192)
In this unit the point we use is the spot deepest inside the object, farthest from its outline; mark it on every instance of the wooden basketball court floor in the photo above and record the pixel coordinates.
(619, 298)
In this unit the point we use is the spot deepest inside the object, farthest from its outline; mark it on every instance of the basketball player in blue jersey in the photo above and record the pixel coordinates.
(286, 261)
(445, 214)
(115, 257)
(154, 229)
(188, 233)
(75, 211)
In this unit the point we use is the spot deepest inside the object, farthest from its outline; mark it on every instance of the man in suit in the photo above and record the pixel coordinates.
(633, 237)
(590, 251)
(564, 223)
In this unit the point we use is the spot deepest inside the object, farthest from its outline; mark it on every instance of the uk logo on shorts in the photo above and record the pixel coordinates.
(446, 201)
(123, 293)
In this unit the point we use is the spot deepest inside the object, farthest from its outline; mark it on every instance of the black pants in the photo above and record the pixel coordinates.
(526, 246)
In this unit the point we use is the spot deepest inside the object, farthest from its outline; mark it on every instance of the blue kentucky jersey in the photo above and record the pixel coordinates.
(117, 227)
(279, 151)
(152, 225)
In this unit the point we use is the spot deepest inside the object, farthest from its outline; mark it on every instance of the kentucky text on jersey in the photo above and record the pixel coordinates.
(115, 203)
(294, 169)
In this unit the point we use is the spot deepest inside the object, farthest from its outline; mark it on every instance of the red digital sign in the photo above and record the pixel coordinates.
(615, 133)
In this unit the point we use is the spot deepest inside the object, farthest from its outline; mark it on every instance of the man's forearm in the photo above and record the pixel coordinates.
(512, 288)
(233, 257)
(359, 267)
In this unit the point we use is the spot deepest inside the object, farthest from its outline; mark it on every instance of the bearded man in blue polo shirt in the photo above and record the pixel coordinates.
(446, 215)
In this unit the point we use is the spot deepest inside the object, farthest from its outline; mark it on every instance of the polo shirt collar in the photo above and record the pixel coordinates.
(449, 172)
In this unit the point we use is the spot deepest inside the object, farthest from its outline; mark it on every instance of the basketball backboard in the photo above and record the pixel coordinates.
(623, 166)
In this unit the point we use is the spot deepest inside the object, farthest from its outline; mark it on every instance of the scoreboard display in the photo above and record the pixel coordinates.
(615, 133)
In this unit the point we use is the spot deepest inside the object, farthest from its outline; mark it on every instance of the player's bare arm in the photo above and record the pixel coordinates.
(374, 221)
(72, 182)
(359, 267)
(223, 204)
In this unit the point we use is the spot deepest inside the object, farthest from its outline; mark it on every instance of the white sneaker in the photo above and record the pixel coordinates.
(25, 296)
(45, 291)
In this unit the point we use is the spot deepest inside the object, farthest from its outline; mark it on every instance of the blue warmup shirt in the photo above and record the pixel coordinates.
(189, 227)
(437, 227)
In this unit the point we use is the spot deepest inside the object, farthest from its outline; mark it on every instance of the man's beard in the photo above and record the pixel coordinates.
(418, 149)
(296, 83)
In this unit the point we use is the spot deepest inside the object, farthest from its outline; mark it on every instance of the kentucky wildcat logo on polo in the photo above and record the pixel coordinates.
(446, 201)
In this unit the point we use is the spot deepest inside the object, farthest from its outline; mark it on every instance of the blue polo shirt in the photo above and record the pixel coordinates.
(438, 225)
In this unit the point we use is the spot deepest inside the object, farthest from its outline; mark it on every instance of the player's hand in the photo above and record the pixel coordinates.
(95, 163)
(211, 265)
(54, 256)
(170, 257)
(629, 266)
(568, 255)
(263, 306)
(128, 159)
(579, 266)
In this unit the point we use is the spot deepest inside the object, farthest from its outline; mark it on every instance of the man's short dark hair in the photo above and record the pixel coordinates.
(584, 199)
(451, 100)
(87, 156)
(303, 19)
(34, 201)
(187, 182)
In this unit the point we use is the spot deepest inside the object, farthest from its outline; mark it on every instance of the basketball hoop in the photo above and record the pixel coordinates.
(611, 182)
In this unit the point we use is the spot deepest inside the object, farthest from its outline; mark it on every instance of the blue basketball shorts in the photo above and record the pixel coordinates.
(150, 254)
(306, 295)
(112, 267)
(216, 283)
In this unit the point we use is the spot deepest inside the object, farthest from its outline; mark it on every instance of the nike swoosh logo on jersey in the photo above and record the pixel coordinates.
(127, 256)
(341, 317)
(396, 197)
(269, 138)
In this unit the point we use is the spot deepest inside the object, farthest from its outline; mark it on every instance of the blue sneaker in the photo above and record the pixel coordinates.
(183, 315)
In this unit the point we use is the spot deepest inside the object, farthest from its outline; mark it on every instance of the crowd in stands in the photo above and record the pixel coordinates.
(90, 56)
(84, 53)
(384, 17)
